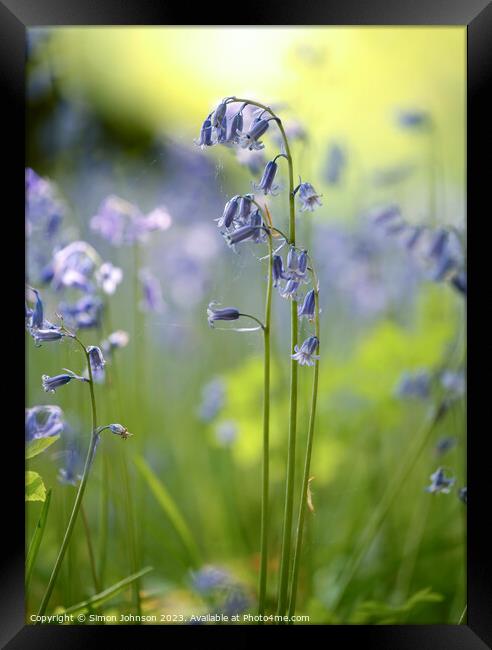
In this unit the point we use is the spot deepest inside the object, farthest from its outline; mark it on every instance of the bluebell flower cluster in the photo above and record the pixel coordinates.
(242, 219)
(439, 252)
(122, 223)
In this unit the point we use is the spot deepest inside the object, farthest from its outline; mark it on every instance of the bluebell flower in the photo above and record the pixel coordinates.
(256, 222)
(385, 215)
(71, 473)
(304, 355)
(308, 197)
(47, 335)
(244, 233)
(116, 340)
(74, 265)
(266, 184)
(96, 358)
(440, 483)
(335, 163)
(236, 601)
(250, 139)
(44, 208)
(209, 578)
(230, 212)
(308, 306)
(235, 127)
(226, 432)
(205, 139)
(37, 318)
(277, 270)
(221, 132)
(50, 384)
(219, 114)
(225, 313)
(109, 277)
(417, 384)
(120, 430)
(115, 220)
(443, 445)
(152, 292)
(290, 289)
(85, 313)
(244, 208)
(43, 422)
(463, 494)
(213, 397)
(292, 262)
(453, 382)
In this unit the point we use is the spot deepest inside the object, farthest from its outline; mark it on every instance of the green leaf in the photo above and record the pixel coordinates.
(35, 490)
(35, 447)
(99, 599)
(35, 543)
(170, 508)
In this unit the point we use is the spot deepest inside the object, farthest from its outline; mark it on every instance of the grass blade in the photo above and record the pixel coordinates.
(170, 508)
(99, 599)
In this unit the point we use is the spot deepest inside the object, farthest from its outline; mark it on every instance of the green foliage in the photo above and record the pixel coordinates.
(380, 613)
(37, 446)
(35, 489)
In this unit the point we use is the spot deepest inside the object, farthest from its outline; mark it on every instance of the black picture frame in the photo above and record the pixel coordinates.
(476, 15)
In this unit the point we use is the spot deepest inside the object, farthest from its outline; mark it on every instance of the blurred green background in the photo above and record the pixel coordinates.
(115, 111)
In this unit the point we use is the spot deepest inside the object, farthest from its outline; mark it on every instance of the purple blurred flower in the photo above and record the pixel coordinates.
(43, 422)
(335, 164)
(417, 384)
(213, 398)
(109, 277)
(226, 432)
(44, 209)
(440, 483)
(152, 293)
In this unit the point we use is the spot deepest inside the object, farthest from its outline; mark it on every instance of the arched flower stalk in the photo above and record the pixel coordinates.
(244, 219)
(35, 324)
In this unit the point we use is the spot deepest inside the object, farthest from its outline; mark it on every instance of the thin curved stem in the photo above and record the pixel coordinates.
(90, 549)
(266, 437)
(80, 492)
(307, 463)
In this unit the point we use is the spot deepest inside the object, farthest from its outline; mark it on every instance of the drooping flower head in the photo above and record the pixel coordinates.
(306, 310)
(50, 384)
(96, 358)
(308, 197)
(266, 184)
(304, 355)
(225, 313)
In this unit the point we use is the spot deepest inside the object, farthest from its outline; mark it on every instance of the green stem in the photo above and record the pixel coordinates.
(289, 490)
(307, 464)
(80, 492)
(463, 616)
(266, 437)
(90, 548)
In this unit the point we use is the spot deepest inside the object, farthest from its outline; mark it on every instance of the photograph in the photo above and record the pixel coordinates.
(245, 325)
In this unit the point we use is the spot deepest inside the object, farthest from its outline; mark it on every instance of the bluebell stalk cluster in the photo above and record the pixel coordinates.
(246, 220)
